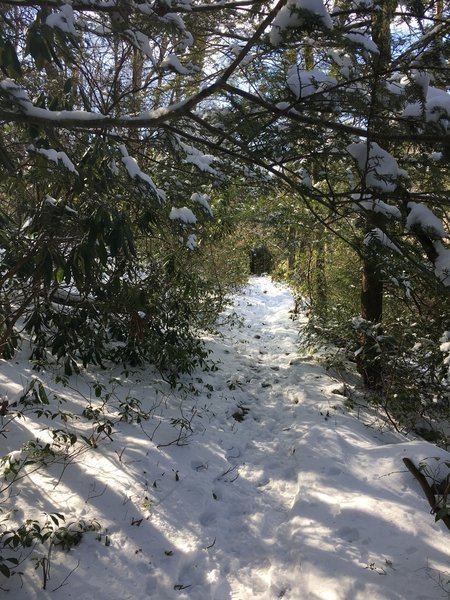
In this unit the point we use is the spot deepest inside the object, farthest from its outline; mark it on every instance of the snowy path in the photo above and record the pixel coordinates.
(279, 492)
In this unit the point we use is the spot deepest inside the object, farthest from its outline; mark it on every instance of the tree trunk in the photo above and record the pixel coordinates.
(292, 240)
(321, 297)
(371, 293)
(369, 361)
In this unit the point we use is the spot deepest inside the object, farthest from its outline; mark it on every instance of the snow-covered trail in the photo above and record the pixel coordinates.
(278, 492)
(321, 503)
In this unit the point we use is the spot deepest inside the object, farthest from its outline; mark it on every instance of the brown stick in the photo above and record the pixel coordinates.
(426, 488)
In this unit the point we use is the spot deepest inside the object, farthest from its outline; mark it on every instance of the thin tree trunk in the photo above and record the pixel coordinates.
(320, 279)
(369, 363)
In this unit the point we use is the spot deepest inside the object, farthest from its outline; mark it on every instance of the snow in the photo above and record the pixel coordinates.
(365, 202)
(142, 42)
(422, 79)
(442, 263)
(344, 61)
(275, 490)
(173, 62)
(379, 236)
(191, 242)
(134, 171)
(196, 157)
(183, 214)
(55, 156)
(306, 178)
(362, 40)
(203, 200)
(421, 216)
(20, 96)
(303, 83)
(436, 108)
(289, 17)
(445, 346)
(62, 19)
(380, 168)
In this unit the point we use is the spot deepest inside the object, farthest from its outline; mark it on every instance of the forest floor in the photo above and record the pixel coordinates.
(259, 482)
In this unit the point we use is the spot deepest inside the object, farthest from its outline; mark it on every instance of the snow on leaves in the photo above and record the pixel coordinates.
(360, 39)
(442, 263)
(304, 83)
(134, 171)
(378, 236)
(294, 14)
(172, 62)
(367, 203)
(435, 109)
(379, 168)
(21, 102)
(422, 217)
(184, 214)
(63, 19)
(56, 157)
(203, 200)
(195, 157)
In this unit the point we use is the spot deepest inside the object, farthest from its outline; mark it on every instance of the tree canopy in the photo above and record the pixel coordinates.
(123, 122)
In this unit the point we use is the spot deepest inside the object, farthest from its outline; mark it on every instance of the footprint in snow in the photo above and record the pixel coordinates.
(208, 518)
(349, 534)
(334, 471)
(198, 465)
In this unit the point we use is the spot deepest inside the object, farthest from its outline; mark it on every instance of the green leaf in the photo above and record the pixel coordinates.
(9, 60)
(68, 84)
(37, 47)
(59, 274)
(42, 395)
(5, 159)
(4, 570)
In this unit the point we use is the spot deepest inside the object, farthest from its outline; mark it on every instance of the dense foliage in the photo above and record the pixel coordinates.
(123, 123)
